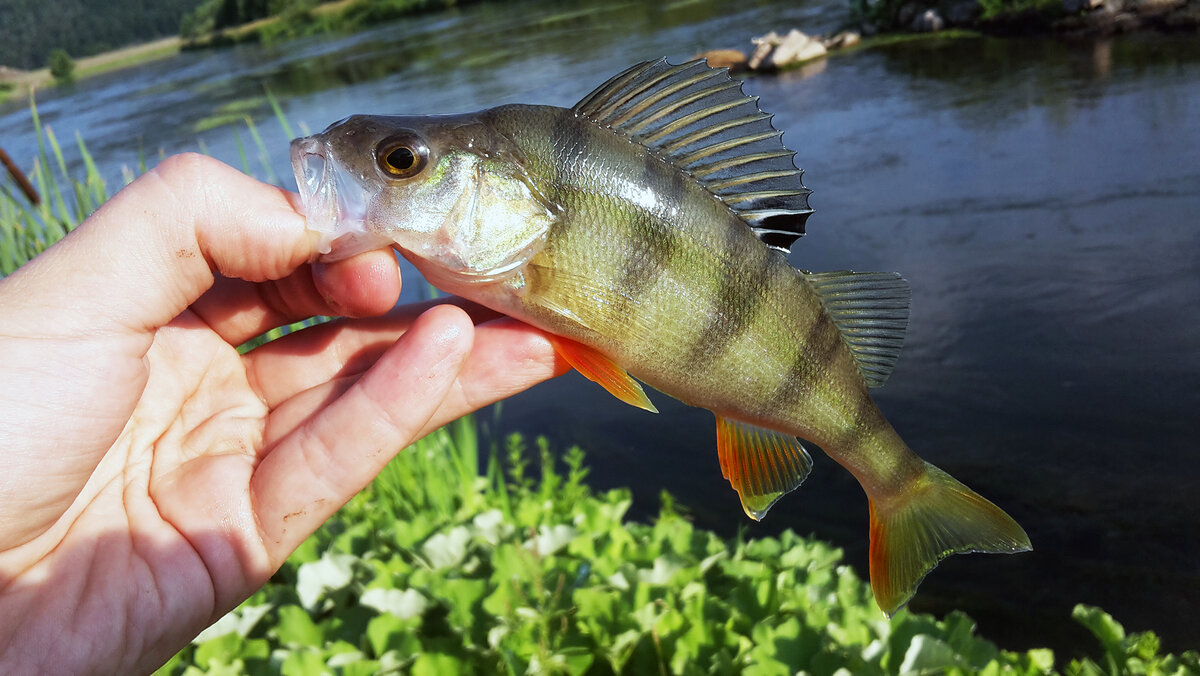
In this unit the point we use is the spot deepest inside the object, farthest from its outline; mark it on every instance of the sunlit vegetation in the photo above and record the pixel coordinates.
(436, 569)
(224, 21)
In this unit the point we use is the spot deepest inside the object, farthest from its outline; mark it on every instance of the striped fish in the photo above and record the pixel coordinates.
(646, 229)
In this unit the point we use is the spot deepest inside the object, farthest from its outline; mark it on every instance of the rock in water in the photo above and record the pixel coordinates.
(732, 59)
(928, 21)
(774, 52)
(843, 40)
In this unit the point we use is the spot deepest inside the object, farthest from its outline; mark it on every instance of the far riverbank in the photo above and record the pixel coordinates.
(15, 82)
(885, 18)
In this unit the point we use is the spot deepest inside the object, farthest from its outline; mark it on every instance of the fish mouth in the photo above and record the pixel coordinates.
(333, 203)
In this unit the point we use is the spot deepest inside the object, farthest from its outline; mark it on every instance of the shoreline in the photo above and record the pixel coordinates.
(21, 83)
(889, 22)
(1070, 19)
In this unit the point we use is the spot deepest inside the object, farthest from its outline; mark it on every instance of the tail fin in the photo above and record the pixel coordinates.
(936, 517)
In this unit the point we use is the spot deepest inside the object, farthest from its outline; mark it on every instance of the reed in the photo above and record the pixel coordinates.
(28, 228)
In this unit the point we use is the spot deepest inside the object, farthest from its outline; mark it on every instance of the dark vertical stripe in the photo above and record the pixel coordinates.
(819, 347)
(655, 239)
(739, 299)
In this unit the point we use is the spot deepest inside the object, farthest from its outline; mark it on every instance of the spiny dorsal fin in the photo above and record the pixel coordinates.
(871, 310)
(700, 120)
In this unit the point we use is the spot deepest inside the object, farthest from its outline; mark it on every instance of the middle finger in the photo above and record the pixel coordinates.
(338, 349)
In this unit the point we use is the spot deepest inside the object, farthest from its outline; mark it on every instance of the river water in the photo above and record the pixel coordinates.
(1040, 195)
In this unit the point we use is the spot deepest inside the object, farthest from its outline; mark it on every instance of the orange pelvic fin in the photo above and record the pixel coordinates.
(600, 369)
(762, 465)
(935, 517)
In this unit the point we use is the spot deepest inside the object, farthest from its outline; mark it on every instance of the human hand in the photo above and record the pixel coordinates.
(151, 478)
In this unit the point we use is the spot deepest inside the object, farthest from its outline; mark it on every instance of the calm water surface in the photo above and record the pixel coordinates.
(1040, 196)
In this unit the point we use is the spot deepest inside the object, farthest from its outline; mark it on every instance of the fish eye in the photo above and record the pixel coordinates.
(402, 155)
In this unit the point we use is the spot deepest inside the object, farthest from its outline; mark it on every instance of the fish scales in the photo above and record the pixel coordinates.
(645, 229)
(687, 256)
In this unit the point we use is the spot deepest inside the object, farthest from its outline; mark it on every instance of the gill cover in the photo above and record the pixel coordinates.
(448, 191)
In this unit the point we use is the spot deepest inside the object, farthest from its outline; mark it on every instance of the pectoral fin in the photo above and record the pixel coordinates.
(600, 369)
(762, 465)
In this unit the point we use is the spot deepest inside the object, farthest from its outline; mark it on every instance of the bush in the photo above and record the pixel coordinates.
(62, 66)
(435, 570)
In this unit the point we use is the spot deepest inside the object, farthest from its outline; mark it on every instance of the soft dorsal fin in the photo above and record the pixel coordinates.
(700, 120)
(871, 310)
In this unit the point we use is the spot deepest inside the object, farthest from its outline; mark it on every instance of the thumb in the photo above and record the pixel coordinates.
(165, 235)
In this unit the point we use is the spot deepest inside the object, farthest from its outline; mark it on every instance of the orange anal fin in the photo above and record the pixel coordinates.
(762, 465)
(603, 371)
(934, 517)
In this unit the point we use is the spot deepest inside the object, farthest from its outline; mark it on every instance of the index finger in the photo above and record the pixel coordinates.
(155, 248)
(365, 285)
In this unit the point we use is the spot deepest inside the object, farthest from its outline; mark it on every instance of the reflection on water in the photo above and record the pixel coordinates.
(1040, 196)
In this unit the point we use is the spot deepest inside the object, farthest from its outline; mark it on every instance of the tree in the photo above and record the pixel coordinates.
(62, 67)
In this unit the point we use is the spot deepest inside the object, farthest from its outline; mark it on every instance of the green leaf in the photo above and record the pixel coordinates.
(462, 596)
(665, 567)
(404, 604)
(332, 572)
(551, 539)
(927, 655)
(305, 663)
(223, 650)
(491, 527)
(446, 550)
(438, 664)
(1102, 625)
(390, 633)
(361, 668)
(1041, 659)
(297, 627)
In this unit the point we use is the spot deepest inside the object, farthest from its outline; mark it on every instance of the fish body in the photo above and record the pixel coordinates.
(646, 229)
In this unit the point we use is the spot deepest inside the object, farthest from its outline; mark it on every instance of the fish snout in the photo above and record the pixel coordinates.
(309, 165)
(334, 202)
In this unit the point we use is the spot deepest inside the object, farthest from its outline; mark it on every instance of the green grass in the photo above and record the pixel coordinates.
(300, 18)
(90, 67)
(26, 229)
(437, 568)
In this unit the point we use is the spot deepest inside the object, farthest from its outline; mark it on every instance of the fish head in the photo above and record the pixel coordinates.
(451, 193)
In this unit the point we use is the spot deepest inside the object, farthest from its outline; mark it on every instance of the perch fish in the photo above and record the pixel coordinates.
(647, 230)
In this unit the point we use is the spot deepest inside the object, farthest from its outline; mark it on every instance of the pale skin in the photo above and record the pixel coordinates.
(151, 478)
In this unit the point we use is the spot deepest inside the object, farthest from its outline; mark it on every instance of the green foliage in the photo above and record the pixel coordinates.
(217, 14)
(66, 199)
(25, 229)
(437, 570)
(1127, 654)
(62, 66)
(896, 15)
(213, 15)
(1006, 10)
(879, 13)
(30, 28)
(295, 18)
